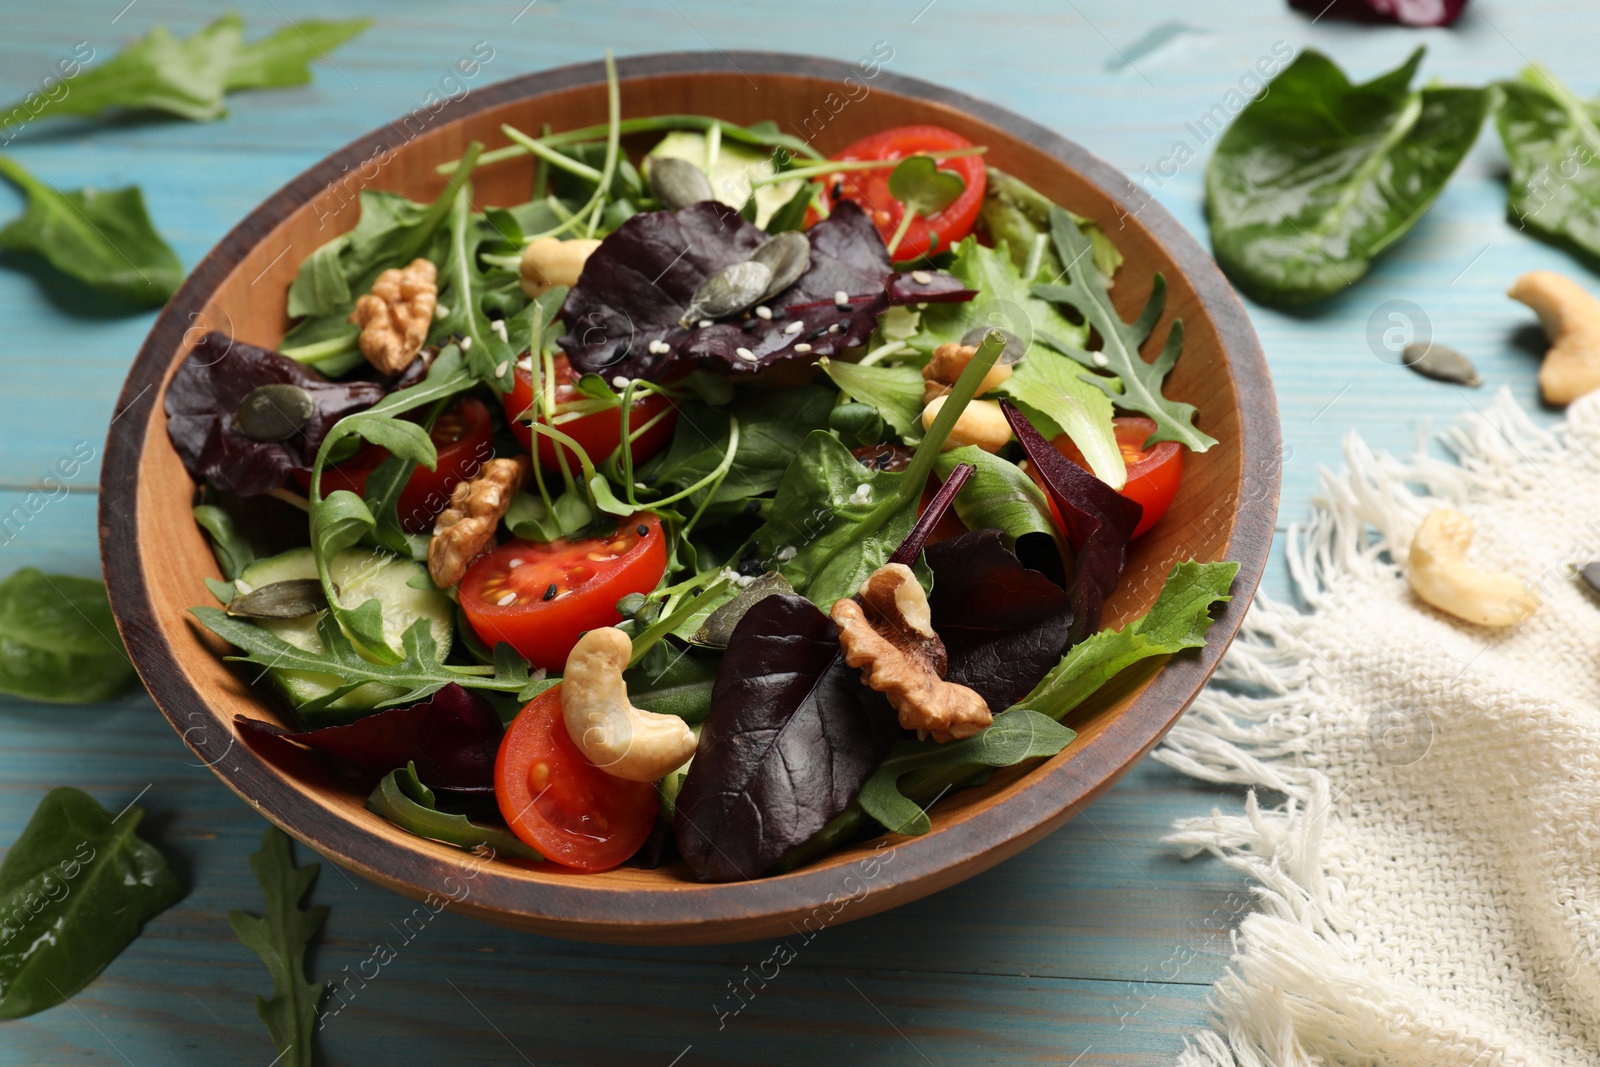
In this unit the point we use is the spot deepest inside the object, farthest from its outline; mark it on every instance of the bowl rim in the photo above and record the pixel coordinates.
(1041, 801)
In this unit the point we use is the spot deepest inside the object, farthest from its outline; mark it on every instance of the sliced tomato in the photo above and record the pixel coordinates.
(538, 598)
(597, 434)
(870, 188)
(1153, 473)
(553, 798)
(464, 438)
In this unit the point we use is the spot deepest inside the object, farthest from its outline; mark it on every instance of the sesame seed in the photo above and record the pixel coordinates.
(501, 368)
(466, 344)
(794, 327)
(513, 564)
(749, 325)
(659, 348)
(764, 312)
(843, 309)
(507, 600)
(836, 327)
(499, 328)
(779, 313)
(921, 277)
(818, 332)
(440, 311)
(550, 593)
(922, 306)
(620, 381)
(746, 355)
(802, 348)
(642, 530)
(703, 323)
(1100, 359)
(525, 364)
(841, 297)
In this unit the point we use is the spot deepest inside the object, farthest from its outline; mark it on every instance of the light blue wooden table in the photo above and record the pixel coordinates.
(1096, 946)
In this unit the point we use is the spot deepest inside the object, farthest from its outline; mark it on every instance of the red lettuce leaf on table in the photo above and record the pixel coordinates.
(210, 384)
(452, 737)
(1405, 12)
(1004, 625)
(1099, 522)
(639, 281)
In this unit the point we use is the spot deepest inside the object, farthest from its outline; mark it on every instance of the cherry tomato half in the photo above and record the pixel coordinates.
(538, 598)
(870, 188)
(1153, 473)
(597, 434)
(464, 438)
(553, 798)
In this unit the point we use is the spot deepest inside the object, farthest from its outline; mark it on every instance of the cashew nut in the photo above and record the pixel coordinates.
(982, 423)
(1571, 319)
(946, 365)
(549, 262)
(1440, 574)
(620, 739)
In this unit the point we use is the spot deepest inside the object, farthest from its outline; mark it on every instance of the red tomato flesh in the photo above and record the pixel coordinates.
(870, 188)
(464, 438)
(538, 598)
(554, 799)
(1153, 473)
(598, 434)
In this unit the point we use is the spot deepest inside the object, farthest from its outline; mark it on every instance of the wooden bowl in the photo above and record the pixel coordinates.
(155, 557)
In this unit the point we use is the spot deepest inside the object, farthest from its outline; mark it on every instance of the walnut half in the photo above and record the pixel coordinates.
(468, 524)
(890, 637)
(394, 317)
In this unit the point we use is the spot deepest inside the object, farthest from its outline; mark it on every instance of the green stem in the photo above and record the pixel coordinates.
(822, 170)
(653, 633)
(613, 139)
(550, 155)
(900, 230)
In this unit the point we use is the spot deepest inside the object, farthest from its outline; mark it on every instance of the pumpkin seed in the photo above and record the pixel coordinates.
(677, 183)
(719, 625)
(1441, 364)
(1011, 353)
(274, 412)
(293, 599)
(787, 255)
(728, 292)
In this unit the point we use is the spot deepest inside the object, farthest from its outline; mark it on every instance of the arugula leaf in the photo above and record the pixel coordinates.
(58, 641)
(1058, 398)
(1120, 341)
(1006, 300)
(1179, 619)
(103, 239)
(74, 890)
(894, 392)
(187, 77)
(1317, 176)
(1552, 141)
(280, 938)
(418, 675)
(405, 801)
(1015, 735)
(463, 283)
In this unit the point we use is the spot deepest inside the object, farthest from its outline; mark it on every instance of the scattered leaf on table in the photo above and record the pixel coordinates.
(58, 641)
(280, 937)
(1552, 143)
(103, 239)
(75, 889)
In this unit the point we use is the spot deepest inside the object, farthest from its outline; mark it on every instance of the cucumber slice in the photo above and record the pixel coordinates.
(360, 575)
(730, 176)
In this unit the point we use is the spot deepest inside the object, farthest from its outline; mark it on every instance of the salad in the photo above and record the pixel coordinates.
(722, 500)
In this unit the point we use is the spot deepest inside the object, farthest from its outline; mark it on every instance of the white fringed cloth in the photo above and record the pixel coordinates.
(1423, 831)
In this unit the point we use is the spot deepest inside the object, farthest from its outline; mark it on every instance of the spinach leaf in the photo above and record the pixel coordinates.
(187, 77)
(773, 424)
(405, 801)
(280, 938)
(894, 392)
(74, 890)
(998, 496)
(58, 641)
(1137, 385)
(791, 736)
(103, 239)
(1552, 140)
(1018, 216)
(1015, 735)
(1059, 399)
(1317, 176)
(419, 673)
(1003, 624)
(1178, 620)
(1007, 301)
(681, 687)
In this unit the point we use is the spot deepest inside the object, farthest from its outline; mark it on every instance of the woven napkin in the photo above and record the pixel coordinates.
(1424, 827)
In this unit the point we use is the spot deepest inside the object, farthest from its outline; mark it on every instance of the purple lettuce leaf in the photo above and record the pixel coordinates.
(206, 391)
(452, 737)
(791, 737)
(1004, 625)
(638, 282)
(1099, 523)
(1405, 12)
